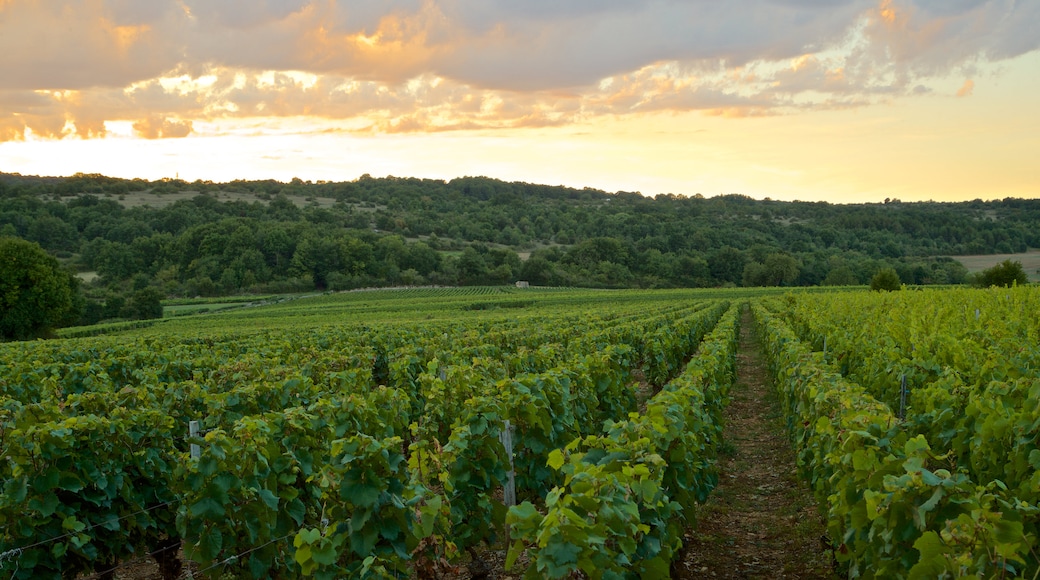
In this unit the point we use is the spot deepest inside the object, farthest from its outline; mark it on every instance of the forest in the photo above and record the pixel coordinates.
(171, 238)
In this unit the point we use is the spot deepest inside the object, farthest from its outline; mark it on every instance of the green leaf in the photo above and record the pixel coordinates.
(362, 541)
(46, 505)
(932, 501)
(303, 554)
(862, 461)
(931, 563)
(307, 537)
(72, 524)
(325, 554)
(360, 490)
(269, 498)
(70, 482)
(59, 549)
(559, 558)
(16, 489)
(211, 543)
(208, 465)
(655, 568)
(257, 567)
(207, 507)
(524, 512)
(296, 510)
(1008, 532)
(514, 552)
(556, 459)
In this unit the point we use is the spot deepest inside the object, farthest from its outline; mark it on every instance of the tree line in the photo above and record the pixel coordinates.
(273, 237)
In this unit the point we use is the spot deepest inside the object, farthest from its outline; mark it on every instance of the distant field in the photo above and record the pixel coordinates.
(1030, 262)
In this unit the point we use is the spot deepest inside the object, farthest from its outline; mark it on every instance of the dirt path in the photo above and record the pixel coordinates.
(761, 521)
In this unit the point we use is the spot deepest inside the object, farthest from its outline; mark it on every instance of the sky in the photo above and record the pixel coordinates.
(845, 101)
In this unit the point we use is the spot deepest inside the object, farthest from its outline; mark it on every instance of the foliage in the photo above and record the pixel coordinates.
(333, 446)
(144, 304)
(298, 236)
(1006, 273)
(886, 280)
(325, 450)
(627, 494)
(941, 492)
(36, 293)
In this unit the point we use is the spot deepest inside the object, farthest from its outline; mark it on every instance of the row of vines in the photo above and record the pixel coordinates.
(916, 416)
(360, 450)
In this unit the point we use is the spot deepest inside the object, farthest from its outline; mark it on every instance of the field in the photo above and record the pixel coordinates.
(365, 434)
(1030, 262)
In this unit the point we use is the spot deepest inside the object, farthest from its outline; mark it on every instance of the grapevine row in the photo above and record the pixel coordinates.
(326, 471)
(895, 507)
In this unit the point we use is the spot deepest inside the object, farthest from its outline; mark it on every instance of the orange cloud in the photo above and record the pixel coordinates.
(161, 128)
(966, 89)
(887, 12)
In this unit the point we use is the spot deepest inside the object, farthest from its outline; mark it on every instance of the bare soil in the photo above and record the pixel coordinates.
(761, 521)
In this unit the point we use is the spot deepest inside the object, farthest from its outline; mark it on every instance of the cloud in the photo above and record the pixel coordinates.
(966, 89)
(160, 128)
(432, 65)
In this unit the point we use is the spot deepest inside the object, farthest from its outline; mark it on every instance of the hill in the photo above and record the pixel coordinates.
(205, 238)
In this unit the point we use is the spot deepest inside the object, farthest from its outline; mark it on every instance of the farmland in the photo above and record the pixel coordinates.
(364, 434)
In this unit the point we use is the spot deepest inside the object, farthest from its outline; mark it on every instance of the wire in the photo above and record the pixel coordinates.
(20, 549)
(97, 574)
(231, 559)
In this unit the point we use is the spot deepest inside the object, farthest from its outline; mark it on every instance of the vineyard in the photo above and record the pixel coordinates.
(398, 433)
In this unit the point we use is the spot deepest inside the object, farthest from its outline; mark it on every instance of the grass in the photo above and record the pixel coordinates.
(1030, 262)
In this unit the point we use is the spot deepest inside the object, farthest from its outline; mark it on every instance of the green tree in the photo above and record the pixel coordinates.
(727, 265)
(840, 276)
(781, 269)
(885, 279)
(536, 270)
(36, 293)
(472, 267)
(144, 304)
(318, 257)
(1006, 273)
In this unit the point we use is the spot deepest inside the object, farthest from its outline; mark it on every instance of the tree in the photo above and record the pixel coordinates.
(536, 270)
(885, 279)
(840, 276)
(472, 267)
(1006, 273)
(781, 269)
(318, 257)
(144, 304)
(36, 293)
(727, 264)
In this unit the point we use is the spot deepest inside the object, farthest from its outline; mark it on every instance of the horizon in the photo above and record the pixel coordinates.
(861, 101)
(306, 182)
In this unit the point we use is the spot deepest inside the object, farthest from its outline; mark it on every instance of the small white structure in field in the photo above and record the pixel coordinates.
(522, 284)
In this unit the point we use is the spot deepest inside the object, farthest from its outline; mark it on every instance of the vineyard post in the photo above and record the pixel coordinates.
(506, 437)
(193, 431)
(902, 397)
(509, 492)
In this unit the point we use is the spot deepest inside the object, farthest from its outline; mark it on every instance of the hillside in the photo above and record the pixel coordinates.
(204, 238)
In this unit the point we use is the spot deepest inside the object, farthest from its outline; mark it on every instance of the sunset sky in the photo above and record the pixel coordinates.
(835, 100)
